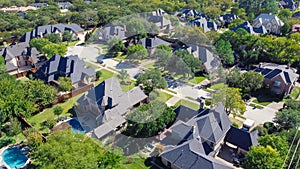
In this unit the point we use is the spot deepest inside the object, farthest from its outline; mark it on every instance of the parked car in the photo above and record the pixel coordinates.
(99, 60)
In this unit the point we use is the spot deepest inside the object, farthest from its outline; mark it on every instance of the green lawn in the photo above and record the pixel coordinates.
(133, 163)
(188, 104)
(218, 86)
(163, 96)
(197, 79)
(70, 43)
(256, 106)
(105, 75)
(48, 113)
(264, 103)
(92, 65)
(127, 87)
(295, 92)
(149, 66)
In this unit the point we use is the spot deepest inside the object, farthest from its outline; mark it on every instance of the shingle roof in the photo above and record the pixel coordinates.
(70, 66)
(185, 114)
(153, 42)
(241, 138)
(272, 70)
(191, 154)
(264, 18)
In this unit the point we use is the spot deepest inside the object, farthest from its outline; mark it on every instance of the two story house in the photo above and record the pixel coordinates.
(279, 79)
(271, 22)
(20, 58)
(70, 66)
(103, 109)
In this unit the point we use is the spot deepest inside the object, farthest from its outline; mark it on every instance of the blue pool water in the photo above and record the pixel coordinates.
(76, 127)
(14, 158)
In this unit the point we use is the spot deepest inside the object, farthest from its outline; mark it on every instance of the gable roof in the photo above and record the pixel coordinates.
(48, 29)
(250, 29)
(185, 114)
(70, 66)
(266, 18)
(153, 42)
(241, 138)
(191, 154)
(272, 70)
(211, 125)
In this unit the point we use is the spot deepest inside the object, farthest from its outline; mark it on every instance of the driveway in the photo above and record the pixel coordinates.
(90, 53)
(260, 116)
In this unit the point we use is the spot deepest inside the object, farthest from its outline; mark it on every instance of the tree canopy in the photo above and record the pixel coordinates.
(66, 150)
(152, 79)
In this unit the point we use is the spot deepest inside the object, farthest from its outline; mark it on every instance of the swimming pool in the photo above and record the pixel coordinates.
(76, 127)
(14, 158)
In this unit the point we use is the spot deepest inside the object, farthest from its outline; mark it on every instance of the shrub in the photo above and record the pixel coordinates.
(6, 141)
(261, 130)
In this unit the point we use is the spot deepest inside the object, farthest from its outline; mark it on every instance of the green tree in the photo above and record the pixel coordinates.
(260, 157)
(224, 50)
(14, 127)
(286, 28)
(66, 150)
(65, 83)
(2, 65)
(231, 99)
(67, 36)
(162, 58)
(284, 14)
(276, 142)
(123, 75)
(33, 137)
(259, 6)
(191, 62)
(233, 78)
(115, 44)
(98, 74)
(287, 119)
(51, 49)
(148, 119)
(53, 37)
(152, 79)
(164, 47)
(58, 110)
(39, 43)
(252, 80)
(135, 27)
(137, 52)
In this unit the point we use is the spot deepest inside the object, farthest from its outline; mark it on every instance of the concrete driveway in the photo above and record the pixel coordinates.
(260, 116)
(90, 53)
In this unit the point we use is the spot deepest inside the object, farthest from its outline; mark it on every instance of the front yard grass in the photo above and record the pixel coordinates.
(188, 104)
(264, 103)
(163, 96)
(127, 87)
(197, 79)
(295, 92)
(149, 66)
(92, 65)
(105, 75)
(236, 121)
(218, 86)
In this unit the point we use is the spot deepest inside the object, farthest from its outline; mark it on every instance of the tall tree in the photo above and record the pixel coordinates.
(58, 110)
(152, 79)
(65, 83)
(260, 157)
(123, 75)
(224, 50)
(278, 143)
(137, 52)
(287, 119)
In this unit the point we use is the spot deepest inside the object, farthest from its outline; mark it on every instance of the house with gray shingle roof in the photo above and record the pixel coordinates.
(250, 29)
(64, 5)
(190, 155)
(289, 4)
(210, 61)
(41, 31)
(111, 31)
(21, 57)
(70, 66)
(204, 23)
(197, 140)
(103, 109)
(226, 19)
(279, 79)
(242, 139)
(157, 17)
(151, 43)
(271, 22)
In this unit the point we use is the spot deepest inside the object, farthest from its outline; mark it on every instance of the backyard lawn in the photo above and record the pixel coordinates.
(49, 114)
(197, 79)
(188, 104)
(163, 96)
(127, 87)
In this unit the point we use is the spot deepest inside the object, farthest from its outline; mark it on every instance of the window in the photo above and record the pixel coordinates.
(277, 83)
